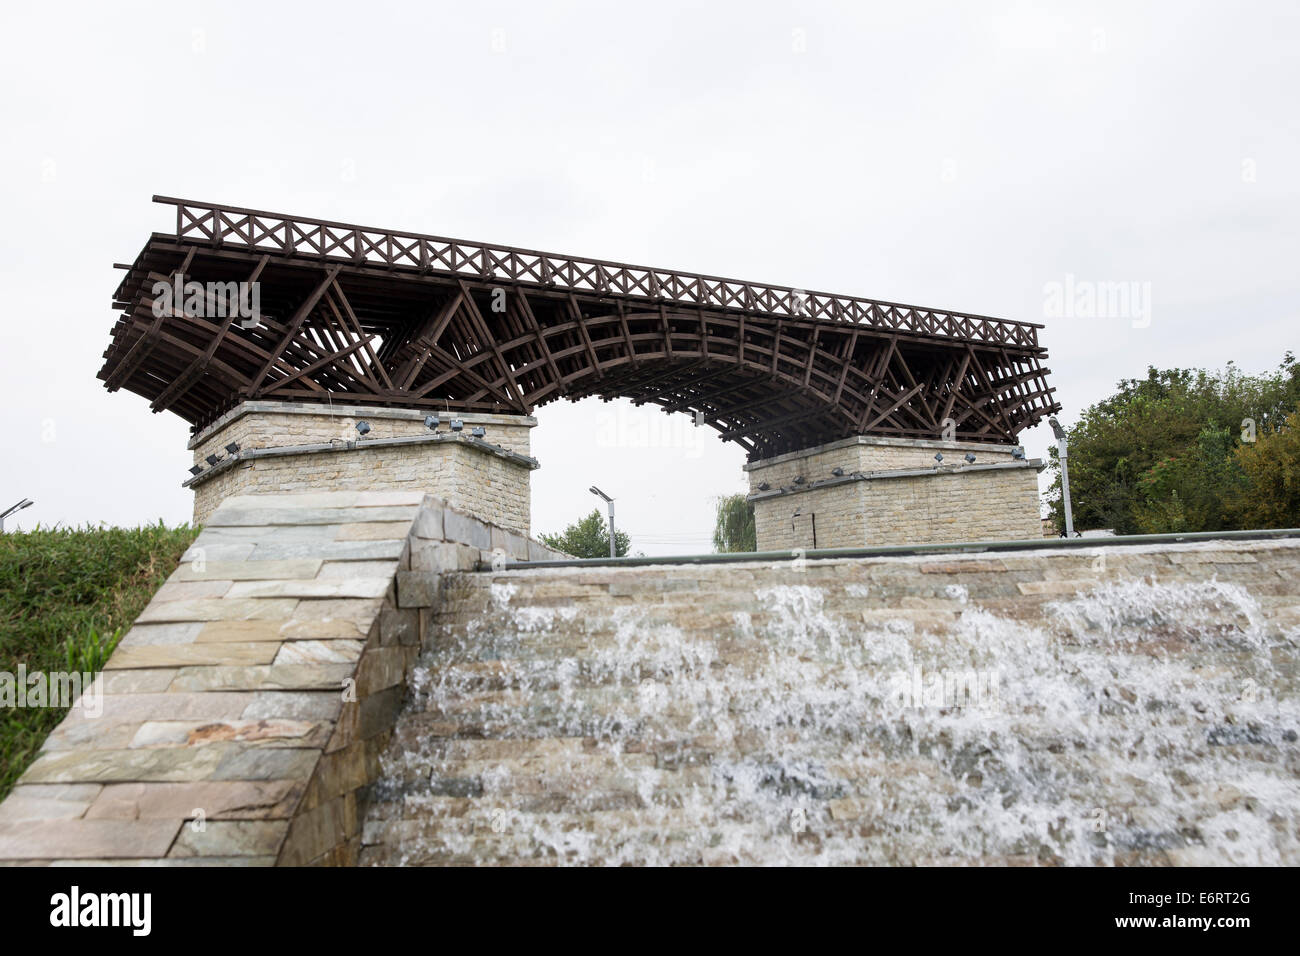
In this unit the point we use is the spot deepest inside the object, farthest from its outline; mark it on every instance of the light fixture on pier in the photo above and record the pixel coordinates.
(431, 422)
(970, 458)
(457, 425)
(363, 427)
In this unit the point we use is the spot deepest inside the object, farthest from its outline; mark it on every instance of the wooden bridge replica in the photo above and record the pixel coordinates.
(398, 319)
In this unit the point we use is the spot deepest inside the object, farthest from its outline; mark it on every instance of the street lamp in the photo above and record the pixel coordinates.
(1062, 449)
(25, 503)
(613, 548)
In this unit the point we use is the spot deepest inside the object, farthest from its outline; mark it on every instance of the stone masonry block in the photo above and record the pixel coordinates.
(445, 556)
(465, 529)
(515, 546)
(417, 589)
(429, 522)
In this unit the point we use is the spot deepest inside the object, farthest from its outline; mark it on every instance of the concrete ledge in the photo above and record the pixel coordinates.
(1039, 547)
(975, 446)
(1036, 463)
(377, 412)
(319, 448)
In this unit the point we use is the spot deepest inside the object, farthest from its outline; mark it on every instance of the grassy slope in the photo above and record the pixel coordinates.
(58, 585)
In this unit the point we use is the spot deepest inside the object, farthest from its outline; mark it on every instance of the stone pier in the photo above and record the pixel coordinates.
(290, 447)
(865, 492)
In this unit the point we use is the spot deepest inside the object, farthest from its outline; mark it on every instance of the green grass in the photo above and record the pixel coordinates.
(66, 596)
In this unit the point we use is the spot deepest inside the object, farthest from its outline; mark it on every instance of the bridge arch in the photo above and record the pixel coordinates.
(393, 319)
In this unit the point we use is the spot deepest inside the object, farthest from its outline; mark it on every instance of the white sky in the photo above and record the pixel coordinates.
(958, 156)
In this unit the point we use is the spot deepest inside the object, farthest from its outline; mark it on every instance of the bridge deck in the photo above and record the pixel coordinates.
(417, 321)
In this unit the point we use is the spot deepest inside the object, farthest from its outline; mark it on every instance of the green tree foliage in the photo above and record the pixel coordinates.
(1194, 491)
(588, 538)
(733, 529)
(1162, 453)
(1272, 470)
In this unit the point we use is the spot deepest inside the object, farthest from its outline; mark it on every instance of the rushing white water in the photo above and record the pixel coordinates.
(1138, 723)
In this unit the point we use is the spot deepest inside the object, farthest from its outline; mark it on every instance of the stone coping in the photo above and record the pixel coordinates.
(342, 410)
(932, 472)
(319, 448)
(873, 440)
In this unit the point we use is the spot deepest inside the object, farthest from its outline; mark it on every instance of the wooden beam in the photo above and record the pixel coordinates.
(477, 317)
(145, 343)
(586, 339)
(899, 403)
(186, 379)
(955, 387)
(429, 333)
(847, 363)
(526, 311)
(668, 338)
(627, 335)
(375, 364)
(295, 324)
(319, 363)
(773, 423)
(812, 355)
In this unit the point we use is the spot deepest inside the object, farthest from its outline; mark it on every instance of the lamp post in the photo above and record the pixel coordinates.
(613, 545)
(25, 503)
(1063, 452)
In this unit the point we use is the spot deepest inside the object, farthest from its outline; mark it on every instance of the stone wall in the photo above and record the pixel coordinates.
(241, 719)
(397, 454)
(892, 491)
(995, 505)
(1099, 706)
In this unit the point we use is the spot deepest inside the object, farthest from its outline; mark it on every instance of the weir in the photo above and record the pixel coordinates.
(1132, 705)
(378, 678)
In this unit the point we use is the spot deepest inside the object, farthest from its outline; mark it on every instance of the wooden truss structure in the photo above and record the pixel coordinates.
(399, 319)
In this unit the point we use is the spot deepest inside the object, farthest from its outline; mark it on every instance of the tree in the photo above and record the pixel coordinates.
(1158, 455)
(588, 538)
(1194, 491)
(733, 529)
(1271, 466)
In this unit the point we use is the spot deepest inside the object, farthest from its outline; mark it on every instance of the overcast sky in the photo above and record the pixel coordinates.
(963, 156)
